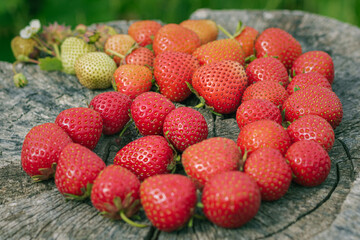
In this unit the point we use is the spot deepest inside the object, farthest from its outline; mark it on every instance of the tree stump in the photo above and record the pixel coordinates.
(330, 211)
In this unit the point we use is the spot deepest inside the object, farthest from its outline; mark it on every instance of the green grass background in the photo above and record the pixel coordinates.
(16, 14)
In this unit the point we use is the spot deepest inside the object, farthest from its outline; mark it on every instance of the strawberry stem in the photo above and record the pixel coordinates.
(129, 221)
(115, 53)
(225, 32)
(240, 27)
(125, 127)
(200, 205)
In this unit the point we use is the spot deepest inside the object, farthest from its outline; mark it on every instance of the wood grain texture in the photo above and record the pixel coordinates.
(38, 211)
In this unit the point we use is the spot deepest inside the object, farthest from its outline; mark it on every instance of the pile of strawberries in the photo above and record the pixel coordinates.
(281, 98)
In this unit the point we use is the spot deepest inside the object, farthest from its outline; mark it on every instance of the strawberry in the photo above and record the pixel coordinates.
(140, 56)
(267, 69)
(143, 31)
(203, 160)
(83, 125)
(149, 110)
(314, 100)
(22, 47)
(71, 49)
(132, 80)
(276, 42)
(168, 200)
(172, 72)
(184, 127)
(94, 70)
(271, 172)
(231, 199)
(304, 80)
(114, 110)
(309, 162)
(263, 133)
(257, 109)
(76, 171)
(221, 84)
(116, 192)
(41, 149)
(175, 38)
(268, 90)
(146, 156)
(218, 50)
(315, 61)
(246, 36)
(312, 127)
(118, 44)
(206, 29)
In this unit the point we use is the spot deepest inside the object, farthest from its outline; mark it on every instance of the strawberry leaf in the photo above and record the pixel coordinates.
(50, 64)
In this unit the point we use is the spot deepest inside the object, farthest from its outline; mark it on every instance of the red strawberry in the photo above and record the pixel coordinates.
(257, 109)
(271, 172)
(116, 192)
(276, 42)
(143, 31)
(41, 149)
(312, 127)
(268, 90)
(172, 70)
(146, 156)
(315, 61)
(140, 56)
(132, 80)
(267, 69)
(309, 162)
(118, 44)
(76, 171)
(114, 110)
(206, 29)
(175, 38)
(246, 37)
(316, 101)
(231, 199)
(184, 127)
(304, 80)
(83, 125)
(218, 50)
(263, 133)
(149, 110)
(221, 84)
(203, 160)
(168, 200)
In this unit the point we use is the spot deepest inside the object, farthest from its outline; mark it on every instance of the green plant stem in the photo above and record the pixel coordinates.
(129, 221)
(225, 32)
(115, 53)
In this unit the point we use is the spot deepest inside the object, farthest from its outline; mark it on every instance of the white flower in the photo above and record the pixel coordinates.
(26, 32)
(35, 25)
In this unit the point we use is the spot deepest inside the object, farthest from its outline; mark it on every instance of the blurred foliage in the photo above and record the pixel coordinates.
(16, 14)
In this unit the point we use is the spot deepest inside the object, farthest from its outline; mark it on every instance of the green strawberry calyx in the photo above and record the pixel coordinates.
(46, 173)
(124, 209)
(86, 194)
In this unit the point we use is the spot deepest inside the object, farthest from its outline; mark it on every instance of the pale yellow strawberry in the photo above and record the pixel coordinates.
(95, 70)
(71, 49)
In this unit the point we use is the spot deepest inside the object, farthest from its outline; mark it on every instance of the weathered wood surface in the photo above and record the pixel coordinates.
(331, 211)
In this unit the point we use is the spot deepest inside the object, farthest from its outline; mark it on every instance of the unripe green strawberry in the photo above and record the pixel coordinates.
(71, 49)
(24, 47)
(95, 70)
